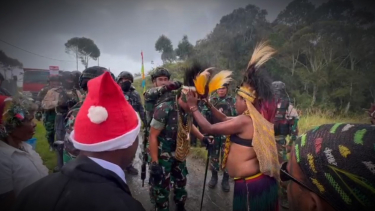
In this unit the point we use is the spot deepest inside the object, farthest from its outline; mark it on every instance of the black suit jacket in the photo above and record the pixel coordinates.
(81, 185)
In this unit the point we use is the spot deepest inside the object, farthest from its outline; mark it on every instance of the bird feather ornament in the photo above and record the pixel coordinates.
(219, 80)
(201, 81)
(262, 53)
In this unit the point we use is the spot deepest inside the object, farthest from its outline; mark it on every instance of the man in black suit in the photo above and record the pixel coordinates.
(106, 133)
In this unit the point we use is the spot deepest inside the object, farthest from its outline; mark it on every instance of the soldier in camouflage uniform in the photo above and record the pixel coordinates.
(49, 115)
(68, 97)
(225, 104)
(76, 76)
(125, 80)
(3, 91)
(286, 124)
(163, 136)
(92, 72)
(161, 92)
(286, 120)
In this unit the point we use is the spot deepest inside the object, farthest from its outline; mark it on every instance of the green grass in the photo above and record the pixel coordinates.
(310, 121)
(42, 147)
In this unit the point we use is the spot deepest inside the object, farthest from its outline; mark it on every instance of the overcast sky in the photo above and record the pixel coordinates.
(120, 28)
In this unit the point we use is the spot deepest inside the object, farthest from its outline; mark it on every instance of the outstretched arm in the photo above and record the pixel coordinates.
(229, 127)
(196, 133)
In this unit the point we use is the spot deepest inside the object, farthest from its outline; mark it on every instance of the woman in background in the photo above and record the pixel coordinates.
(20, 165)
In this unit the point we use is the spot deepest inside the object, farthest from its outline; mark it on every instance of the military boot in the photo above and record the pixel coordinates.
(212, 183)
(131, 170)
(180, 207)
(225, 182)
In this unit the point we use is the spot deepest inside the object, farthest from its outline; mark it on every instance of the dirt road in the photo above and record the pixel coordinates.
(214, 199)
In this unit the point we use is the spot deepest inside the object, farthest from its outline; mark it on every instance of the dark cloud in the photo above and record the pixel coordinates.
(121, 29)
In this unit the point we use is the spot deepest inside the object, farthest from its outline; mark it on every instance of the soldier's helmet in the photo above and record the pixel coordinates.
(76, 74)
(278, 88)
(67, 76)
(160, 71)
(278, 85)
(90, 73)
(125, 75)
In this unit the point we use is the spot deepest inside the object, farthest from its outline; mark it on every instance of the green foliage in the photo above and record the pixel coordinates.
(165, 47)
(185, 49)
(6, 61)
(82, 48)
(325, 54)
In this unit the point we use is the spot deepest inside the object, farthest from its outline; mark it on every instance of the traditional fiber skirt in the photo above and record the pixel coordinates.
(258, 192)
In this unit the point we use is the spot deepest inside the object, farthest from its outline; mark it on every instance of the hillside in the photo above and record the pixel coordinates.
(324, 54)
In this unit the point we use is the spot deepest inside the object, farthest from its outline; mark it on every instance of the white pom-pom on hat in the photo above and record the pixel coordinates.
(97, 114)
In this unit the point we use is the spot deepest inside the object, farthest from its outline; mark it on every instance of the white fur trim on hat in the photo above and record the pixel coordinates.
(97, 114)
(121, 142)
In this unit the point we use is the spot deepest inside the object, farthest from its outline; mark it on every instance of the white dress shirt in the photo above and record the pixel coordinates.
(18, 168)
(110, 166)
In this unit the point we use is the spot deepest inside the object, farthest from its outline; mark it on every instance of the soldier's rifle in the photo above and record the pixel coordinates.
(144, 155)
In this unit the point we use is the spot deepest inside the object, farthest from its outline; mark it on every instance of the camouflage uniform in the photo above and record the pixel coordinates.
(153, 97)
(206, 113)
(286, 123)
(226, 106)
(48, 117)
(133, 97)
(70, 152)
(67, 99)
(165, 118)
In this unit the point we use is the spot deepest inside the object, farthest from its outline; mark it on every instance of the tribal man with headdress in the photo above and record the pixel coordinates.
(169, 139)
(250, 150)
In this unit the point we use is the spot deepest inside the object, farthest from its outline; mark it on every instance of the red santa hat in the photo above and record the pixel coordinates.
(106, 121)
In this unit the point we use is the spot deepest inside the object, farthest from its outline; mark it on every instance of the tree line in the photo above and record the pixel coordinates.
(325, 53)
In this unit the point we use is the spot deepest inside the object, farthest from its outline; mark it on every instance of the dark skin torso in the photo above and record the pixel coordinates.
(242, 160)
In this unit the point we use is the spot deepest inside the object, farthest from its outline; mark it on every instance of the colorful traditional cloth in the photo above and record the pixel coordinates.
(259, 192)
(338, 160)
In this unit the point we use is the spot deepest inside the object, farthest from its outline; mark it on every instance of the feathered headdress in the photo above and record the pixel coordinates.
(256, 87)
(255, 83)
(199, 79)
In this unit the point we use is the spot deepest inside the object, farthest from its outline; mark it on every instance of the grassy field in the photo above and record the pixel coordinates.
(42, 147)
(306, 123)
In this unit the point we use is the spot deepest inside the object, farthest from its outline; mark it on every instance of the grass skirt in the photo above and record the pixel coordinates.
(259, 192)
